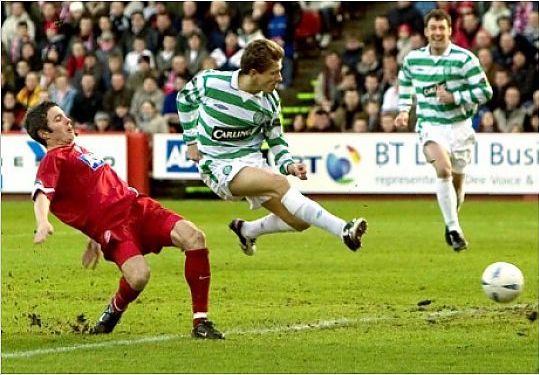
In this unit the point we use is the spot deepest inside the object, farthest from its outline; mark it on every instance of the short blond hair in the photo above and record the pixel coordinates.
(260, 54)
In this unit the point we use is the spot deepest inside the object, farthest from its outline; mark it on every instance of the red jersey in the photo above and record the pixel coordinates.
(84, 191)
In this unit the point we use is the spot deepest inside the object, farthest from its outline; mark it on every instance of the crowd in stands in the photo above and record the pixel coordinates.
(118, 66)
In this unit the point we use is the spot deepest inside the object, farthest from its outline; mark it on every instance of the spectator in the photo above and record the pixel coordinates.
(417, 41)
(521, 12)
(28, 53)
(170, 111)
(390, 101)
(230, 57)
(482, 40)
(505, 50)
(54, 40)
(91, 66)
(119, 116)
(524, 75)
(119, 21)
(136, 80)
(360, 123)
(371, 90)
(164, 27)
(390, 70)
(149, 91)
(216, 37)
(106, 47)
(389, 45)
(150, 120)
(132, 58)
(117, 94)
(343, 117)
(102, 122)
(21, 70)
(9, 27)
(9, 124)
(299, 125)
(281, 31)
(195, 53)
(319, 121)
(521, 43)
(189, 27)
(85, 34)
(105, 25)
(48, 75)
(348, 82)
(372, 110)
(352, 51)
(75, 61)
(502, 80)
(368, 64)
(250, 30)
(9, 103)
(511, 117)
(86, 103)
(163, 60)
(531, 32)
(404, 42)
(325, 89)
(387, 122)
(490, 18)
(140, 30)
(130, 125)
(22, 36)
(381, 28)
(405, 13)
(28, 96)
(465, 34)
(487, 123)
(62, 93)
(487, 63)
(178, 69)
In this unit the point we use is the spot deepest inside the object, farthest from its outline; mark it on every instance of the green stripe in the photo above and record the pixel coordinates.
(277, 142)
(225, 77)
(227, 119)
(474, 71)
(189, 125)
(436, 77)
(280, 155)
(229, 98)
(405, 96)
(206, 170)
(423, 61)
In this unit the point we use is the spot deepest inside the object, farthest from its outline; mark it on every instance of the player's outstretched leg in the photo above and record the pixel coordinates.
(247, 244)
(458, 242)
(352, 233)
(107, 321)
(204, 329)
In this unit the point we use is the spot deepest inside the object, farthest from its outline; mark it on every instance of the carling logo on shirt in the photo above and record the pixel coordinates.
(231, 134)
(92, 161)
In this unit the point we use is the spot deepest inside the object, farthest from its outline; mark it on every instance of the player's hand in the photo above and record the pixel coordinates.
(192, 153)
(42, 232)
(444, 96)
(298, 169)
(91, 255)
(401, 121)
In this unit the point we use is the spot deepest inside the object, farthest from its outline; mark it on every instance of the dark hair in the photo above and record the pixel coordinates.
(438, 15)
(36, 120)
(259, 55)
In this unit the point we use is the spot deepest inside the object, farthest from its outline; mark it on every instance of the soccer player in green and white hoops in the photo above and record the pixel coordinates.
(226, 116)
(449, 84)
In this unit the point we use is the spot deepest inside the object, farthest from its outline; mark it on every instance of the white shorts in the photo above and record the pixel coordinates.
(457, 139)
(217, 174)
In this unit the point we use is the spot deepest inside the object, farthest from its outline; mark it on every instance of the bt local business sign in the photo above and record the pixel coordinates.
(394, 163)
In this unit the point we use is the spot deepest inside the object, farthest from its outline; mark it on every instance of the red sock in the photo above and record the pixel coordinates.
(197, 274)
(124, 296)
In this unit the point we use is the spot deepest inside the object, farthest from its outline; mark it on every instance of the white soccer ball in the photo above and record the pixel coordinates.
(502, 282)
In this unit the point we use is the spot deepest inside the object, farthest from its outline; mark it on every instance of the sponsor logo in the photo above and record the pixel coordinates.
(232, 134)
(341, 164)
(430, 91)
(221, 106)
(92, 161)
(177, 157)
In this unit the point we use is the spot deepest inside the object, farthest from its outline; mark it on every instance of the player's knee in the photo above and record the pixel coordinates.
(139, 278)
(280, 185)
(188, 237)
(444, 172)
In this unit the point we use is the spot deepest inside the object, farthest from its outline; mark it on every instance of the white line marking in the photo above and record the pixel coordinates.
(257, 331)
(323, 324)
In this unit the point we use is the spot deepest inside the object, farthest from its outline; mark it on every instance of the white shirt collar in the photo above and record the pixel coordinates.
(446, 52)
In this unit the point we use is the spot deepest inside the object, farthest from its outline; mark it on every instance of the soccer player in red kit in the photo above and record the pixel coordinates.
(84, 192)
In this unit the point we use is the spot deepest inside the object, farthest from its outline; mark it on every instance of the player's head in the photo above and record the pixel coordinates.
(262, 62)
(47, 124)
(438, 28)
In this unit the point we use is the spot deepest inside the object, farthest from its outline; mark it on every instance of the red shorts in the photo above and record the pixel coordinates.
(146, 230)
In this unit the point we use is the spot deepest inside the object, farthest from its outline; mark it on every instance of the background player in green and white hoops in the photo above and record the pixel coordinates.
(226, 116)
(449, 84)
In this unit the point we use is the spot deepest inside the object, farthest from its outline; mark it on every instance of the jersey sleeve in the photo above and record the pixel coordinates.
(48, 175)
(478, 90)
(275, 138)
(405, 87)
(187, 103)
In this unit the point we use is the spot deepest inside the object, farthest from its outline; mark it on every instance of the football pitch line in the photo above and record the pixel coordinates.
(319, 325)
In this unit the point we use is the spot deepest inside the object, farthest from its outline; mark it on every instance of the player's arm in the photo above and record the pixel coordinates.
(187, 103)
(41, 211)
(91, 254)
(477, 90)
(405, 95)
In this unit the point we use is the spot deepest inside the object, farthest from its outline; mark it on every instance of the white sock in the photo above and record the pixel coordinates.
(447, 200)
(268, 224)
(312, 213)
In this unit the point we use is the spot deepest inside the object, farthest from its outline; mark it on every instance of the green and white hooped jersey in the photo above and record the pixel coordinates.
(228, 123)
(458, 69)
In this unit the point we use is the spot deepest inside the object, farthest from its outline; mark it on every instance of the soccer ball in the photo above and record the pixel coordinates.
(502, 282)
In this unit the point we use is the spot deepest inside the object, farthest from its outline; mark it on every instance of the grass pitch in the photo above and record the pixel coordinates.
(302, 304)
